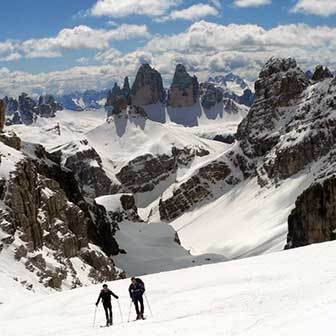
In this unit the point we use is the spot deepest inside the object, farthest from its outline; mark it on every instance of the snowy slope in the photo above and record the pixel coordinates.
(196, 115)
(245, 221)
(127, 137)
(289, 293)
(72, 126)
(151, 248)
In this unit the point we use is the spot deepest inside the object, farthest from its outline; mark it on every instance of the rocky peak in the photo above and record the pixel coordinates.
(280, 82)
(11, 105)
(47, 106)
(44, 228)
(117, 99)
(26, 107)
(2, 115)
(126, 88)
(184, 90)
(313, 218)
(147, 87)
(321, 73)
(210, 95)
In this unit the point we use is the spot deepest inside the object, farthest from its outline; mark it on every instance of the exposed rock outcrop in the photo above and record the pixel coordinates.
(2, 115)
(184, 90)
(313, 218)
(279, 82)
(116, 101)
(145, 172)
(26, 108)
(86, 164)
(193, 191)
(210, 95)
(41, 223)
(147, 87)
(321, 73)
(47, 106)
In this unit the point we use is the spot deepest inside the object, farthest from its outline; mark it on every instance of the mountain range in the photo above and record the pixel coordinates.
(143, 185)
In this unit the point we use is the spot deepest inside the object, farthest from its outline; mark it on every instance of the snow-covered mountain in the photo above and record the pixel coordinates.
(232, 83)
(80, 101)
(161, 196)
(278, 294)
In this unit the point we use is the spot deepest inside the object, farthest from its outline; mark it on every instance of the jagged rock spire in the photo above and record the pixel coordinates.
(279, 82)
(321, 73)
(2, 115)
(147, 87)
(184, 90)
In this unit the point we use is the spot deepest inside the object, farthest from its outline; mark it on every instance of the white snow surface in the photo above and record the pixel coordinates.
(151, 248)
(72, 125)
(281, 294)
(246, 221)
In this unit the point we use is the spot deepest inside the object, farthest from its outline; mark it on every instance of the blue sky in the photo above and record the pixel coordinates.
(58, 45)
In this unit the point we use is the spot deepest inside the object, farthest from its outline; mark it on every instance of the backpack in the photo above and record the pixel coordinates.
(141, 283)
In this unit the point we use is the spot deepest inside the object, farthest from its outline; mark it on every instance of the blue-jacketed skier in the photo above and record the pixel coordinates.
(136, 292)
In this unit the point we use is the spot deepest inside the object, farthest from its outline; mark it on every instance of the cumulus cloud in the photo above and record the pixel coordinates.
(80, 37)
(123, 8)
(316, 7)
(191, 13)
(78, 78)
(251, 3)
(205, 48)
(7, 51)
(108, 56)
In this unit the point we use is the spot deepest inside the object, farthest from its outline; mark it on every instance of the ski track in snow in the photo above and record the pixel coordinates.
(280, 294)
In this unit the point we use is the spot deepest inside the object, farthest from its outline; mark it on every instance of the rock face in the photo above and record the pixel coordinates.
(2, 115)
(47, 230)
(210, 95)
(184, 90)
(313, 218)
(321, 73)
(26, 108)
(247, 98)
(47, 106)
(193, 191)
(117, 100)
(147, 87)
(86, 165)
(145, 172)
(11, 104)
(279, 83)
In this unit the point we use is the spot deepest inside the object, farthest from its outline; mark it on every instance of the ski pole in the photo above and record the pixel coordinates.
(148, 305)
(94, 317)
(129, 313)
(121, 316)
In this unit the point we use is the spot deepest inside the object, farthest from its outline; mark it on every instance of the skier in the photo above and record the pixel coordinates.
(105, 295)
(136, 291)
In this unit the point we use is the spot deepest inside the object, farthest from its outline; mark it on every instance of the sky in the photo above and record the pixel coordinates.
(65, 45)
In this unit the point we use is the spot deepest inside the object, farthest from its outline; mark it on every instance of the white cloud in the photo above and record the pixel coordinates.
(7, 51)
(251, 3)
(316, 7)
(108, 56)
(206, 48)
(80, 37)
(122, 8)
(192, 13)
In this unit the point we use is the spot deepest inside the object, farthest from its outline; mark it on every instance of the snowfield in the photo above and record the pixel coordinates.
(280, 294)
